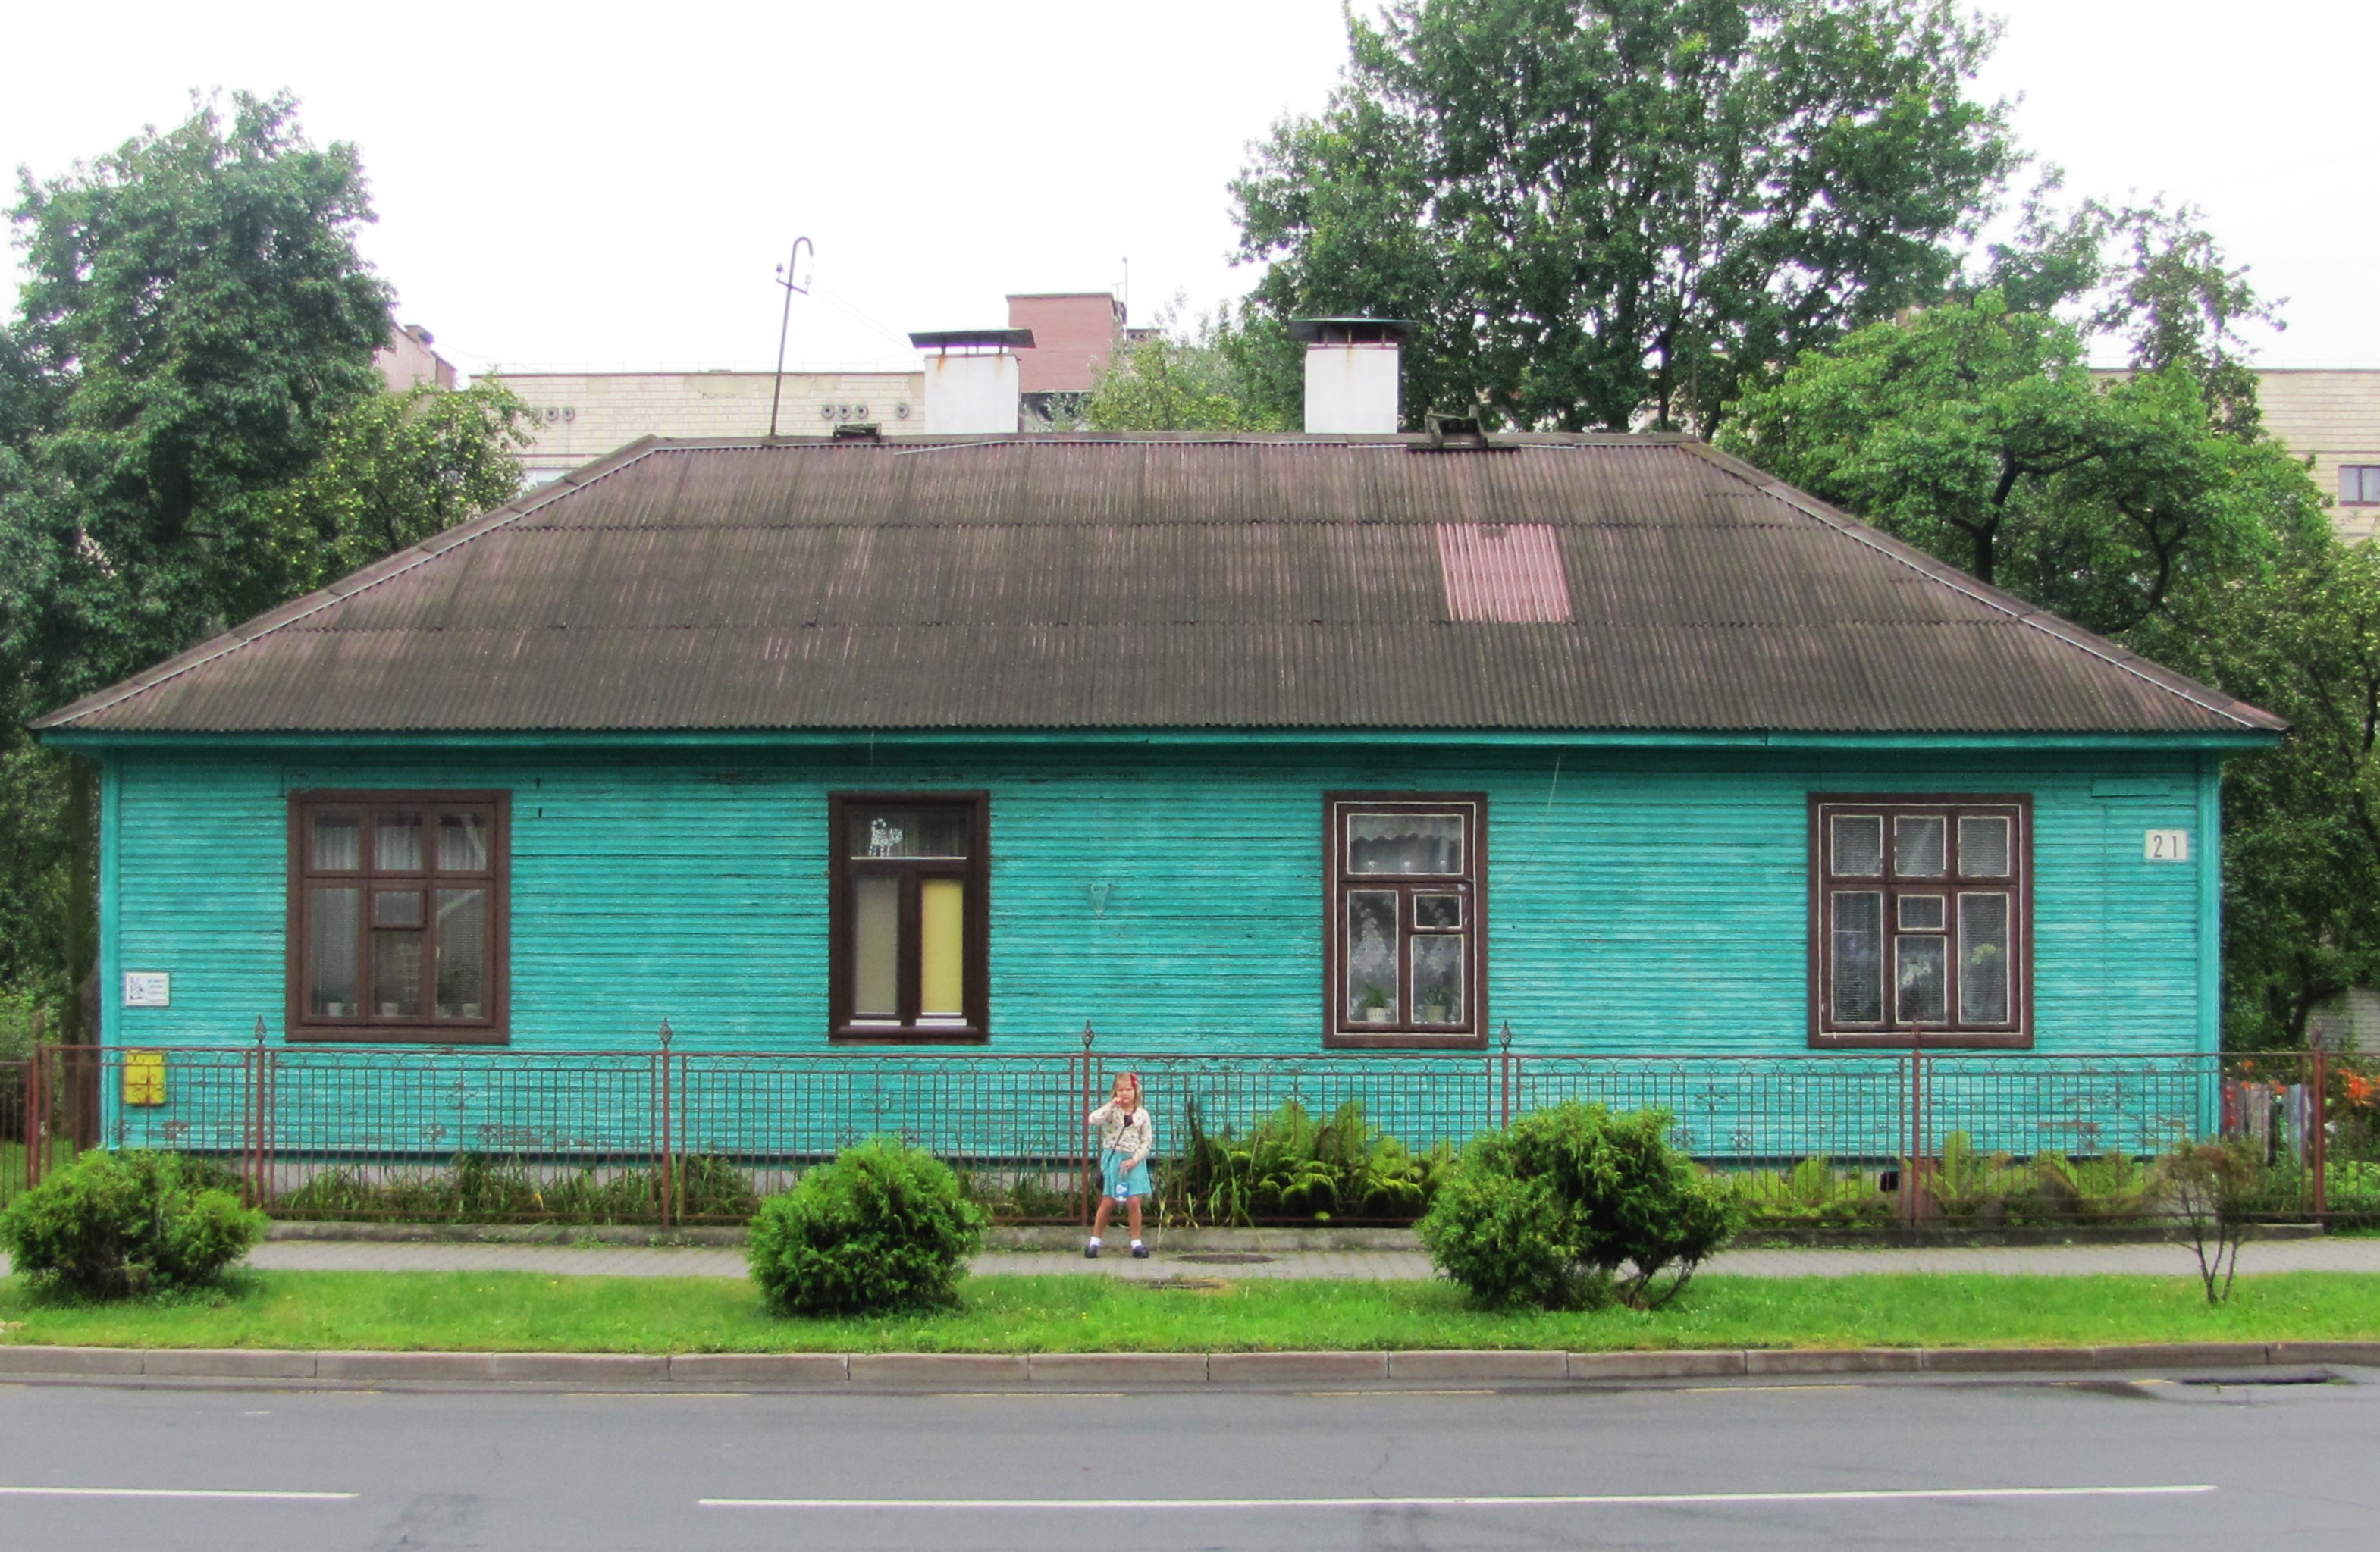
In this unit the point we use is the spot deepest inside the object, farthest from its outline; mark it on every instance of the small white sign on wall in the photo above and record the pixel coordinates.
(2166, 845)
(148, 989)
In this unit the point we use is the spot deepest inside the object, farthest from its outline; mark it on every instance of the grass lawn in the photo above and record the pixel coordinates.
(523, 1311)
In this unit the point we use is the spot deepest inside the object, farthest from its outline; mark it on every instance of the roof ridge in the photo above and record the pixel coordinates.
(2052, 625)
(387, 568)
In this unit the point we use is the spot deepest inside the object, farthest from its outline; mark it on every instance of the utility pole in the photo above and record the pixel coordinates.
(790, 275)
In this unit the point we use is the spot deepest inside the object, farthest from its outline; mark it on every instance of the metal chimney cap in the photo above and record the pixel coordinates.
(1351, 331)
(947, 340)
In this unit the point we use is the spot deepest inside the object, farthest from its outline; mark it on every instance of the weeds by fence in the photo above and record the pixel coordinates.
(1823, 1141)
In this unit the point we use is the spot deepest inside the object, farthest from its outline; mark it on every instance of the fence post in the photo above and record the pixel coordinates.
(37, 1118)
(1083, 1104)
(259, 1110)
(1912, 1167)
(1505, 1076)
(668, 1173)
(2318, 1133)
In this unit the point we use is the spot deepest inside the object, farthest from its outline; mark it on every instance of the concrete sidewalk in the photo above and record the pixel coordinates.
(2295, 1255)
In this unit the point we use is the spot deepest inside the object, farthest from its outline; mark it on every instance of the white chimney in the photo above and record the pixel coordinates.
(1351, 373)
(971, 379)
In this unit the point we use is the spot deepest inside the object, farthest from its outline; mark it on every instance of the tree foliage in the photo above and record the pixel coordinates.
(2153, 507)
(397, 469)
(1193, 379)
(1603, 212)
(196, 317)
(1978, 433)
(191, 430)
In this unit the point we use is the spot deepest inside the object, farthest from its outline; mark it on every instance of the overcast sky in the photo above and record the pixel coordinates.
(593, 185)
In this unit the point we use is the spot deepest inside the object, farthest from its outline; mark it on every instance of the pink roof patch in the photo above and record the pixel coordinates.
(1508, 573)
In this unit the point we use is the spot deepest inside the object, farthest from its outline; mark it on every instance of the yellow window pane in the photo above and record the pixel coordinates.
(941, 947)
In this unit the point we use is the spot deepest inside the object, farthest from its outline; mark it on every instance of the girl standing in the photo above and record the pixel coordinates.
(1125, 1140)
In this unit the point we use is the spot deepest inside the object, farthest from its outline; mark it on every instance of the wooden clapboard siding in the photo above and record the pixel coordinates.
(1637, 901)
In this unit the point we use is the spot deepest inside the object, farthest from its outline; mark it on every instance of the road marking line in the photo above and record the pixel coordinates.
(172, 1493)
(1869, 1495)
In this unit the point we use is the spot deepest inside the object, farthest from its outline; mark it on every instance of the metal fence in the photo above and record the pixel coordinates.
(1825, 1141)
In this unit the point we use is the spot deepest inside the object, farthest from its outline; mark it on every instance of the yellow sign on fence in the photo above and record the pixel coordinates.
(144, 1077)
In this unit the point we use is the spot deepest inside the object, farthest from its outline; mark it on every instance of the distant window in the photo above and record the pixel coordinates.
(397, 917)
(2359, 484)
(910, 917)
(1919, 921)
(1404, 965)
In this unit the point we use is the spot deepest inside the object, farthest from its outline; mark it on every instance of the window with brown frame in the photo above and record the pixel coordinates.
(397, 917)
(1407, 942)
(1920, 920)
(910, 918)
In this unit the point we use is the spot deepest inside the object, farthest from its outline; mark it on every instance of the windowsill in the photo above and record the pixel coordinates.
(1369, 1039)
(394, 1035)
(908, 1035)
(1939, 1040)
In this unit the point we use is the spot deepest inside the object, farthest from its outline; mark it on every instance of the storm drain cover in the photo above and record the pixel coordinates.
(1226, 1258)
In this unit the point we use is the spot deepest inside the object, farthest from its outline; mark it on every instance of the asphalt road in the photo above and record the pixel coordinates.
(2102, 1465)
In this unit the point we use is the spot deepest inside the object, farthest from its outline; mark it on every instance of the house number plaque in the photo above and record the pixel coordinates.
(148, 989)
(2166, 845)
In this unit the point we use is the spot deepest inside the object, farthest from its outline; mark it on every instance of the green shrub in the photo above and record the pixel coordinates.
(1290, 1165)
(479, 1188)
(115, 1224)
(883, 1226)
(1812, 1195)
(1571, 1206)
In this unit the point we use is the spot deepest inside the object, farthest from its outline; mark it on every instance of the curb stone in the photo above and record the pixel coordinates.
(945, 1371)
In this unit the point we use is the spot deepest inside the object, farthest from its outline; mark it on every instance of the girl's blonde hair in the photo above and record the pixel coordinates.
(1123, 1078)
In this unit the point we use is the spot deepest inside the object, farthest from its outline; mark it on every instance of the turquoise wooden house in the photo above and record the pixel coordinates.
(1289, 744)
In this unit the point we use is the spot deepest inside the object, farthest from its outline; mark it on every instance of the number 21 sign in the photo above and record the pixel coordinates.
(2166, 845)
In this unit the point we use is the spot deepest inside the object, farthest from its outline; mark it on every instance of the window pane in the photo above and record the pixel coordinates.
(1922, 963)
(1858, 962)
(1438, 980)
(942, 949)
(396, 975)
(1440, 911)
(1858, 847)
(339, 842)
(1371, 956)
(1983, 846)
(1404, 843)
(396, 908)
(1984, 958)
(462, 953)
(876, 947)
(396, 844)
(332, 917)
(909, 832)
(1917, 847)
(1922, 913)
(462, 842)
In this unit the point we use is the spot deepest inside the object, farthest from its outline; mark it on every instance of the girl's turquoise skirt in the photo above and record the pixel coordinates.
(1117, 1182)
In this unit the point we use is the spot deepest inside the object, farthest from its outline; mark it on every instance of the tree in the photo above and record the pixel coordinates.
(1599, 212)
(1978, 434)
(1179, 380)
(191, 431)
(395, 469)
(198, 316)
(2301, 821)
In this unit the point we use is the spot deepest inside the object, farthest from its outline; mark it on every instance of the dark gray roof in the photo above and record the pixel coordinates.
(1161, 582)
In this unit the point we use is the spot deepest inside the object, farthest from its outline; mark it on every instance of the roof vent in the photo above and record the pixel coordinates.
(859, 430)
(1350, 373)
(971, 379)
(1460, 433)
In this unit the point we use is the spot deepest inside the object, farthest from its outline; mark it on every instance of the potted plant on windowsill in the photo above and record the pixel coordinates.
(1375, 1003)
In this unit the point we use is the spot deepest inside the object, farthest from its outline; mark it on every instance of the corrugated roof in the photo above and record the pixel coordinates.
(1058, 582)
